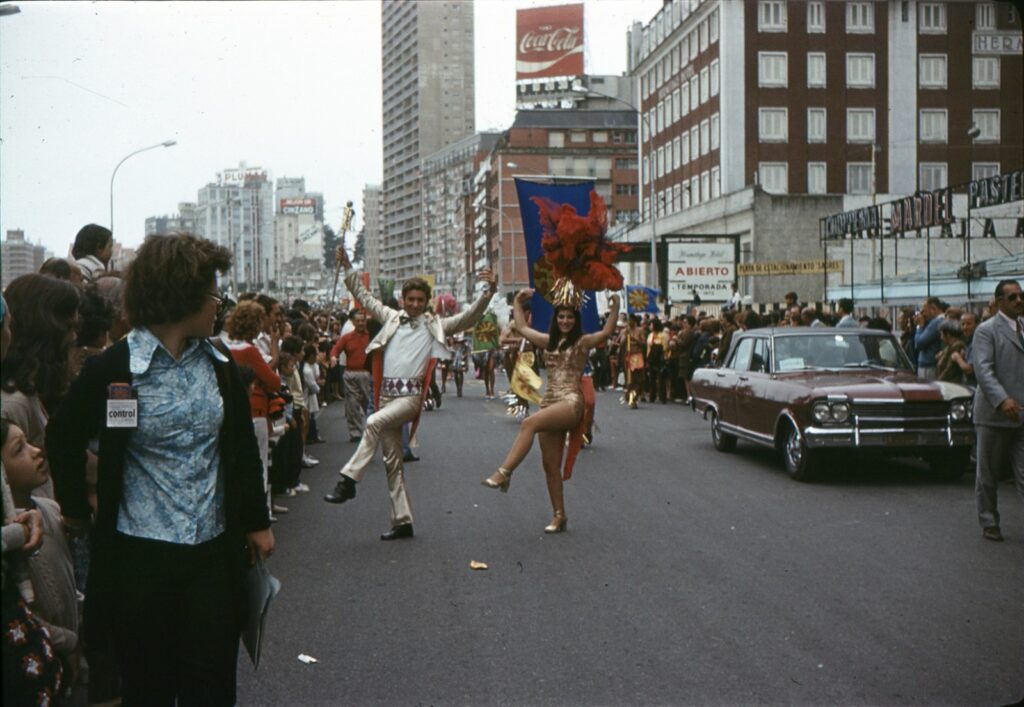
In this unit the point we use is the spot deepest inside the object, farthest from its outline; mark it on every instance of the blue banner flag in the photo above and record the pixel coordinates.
(640, 299)
(576, 194)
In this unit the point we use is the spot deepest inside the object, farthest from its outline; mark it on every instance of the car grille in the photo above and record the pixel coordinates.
(918, 415)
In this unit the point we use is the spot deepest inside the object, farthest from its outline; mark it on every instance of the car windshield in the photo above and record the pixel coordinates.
(836, 351)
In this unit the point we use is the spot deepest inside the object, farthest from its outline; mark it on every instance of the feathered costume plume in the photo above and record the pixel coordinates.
(577, 253)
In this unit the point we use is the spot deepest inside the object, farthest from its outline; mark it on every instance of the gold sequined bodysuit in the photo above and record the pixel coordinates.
(565, 371)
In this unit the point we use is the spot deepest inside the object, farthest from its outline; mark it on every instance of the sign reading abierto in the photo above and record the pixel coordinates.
(709, 268)
(796, 267)
(549, 42)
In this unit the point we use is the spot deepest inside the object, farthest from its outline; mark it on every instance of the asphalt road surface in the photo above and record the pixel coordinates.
(687, 576)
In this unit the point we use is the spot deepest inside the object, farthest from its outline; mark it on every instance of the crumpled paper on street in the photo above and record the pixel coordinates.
(474, 565)
(307, 659)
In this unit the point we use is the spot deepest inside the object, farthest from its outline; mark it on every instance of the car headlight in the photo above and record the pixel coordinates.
(959, 410)
(840, 412)
(821, 413)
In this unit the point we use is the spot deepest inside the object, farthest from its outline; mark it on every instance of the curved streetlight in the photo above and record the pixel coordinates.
(165, 143)
(643, 122)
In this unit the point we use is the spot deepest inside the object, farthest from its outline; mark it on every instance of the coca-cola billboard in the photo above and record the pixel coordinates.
(549, 42)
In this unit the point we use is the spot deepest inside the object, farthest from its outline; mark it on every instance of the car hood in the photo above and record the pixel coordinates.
(875, 385)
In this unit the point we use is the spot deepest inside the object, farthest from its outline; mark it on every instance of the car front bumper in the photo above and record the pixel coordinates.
(903, 437)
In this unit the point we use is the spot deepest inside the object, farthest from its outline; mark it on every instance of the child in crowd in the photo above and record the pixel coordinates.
(313, 378)
(55, 602)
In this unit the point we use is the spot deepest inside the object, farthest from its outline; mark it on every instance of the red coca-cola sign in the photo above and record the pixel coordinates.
(549, 41)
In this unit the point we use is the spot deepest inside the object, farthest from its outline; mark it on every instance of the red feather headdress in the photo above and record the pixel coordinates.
(576, 249)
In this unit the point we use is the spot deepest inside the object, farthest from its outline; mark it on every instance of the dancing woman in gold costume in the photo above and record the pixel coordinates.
(565, 348)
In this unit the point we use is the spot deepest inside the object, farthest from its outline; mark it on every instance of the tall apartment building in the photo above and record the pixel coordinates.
(816, 99)
(427, 104)
(19, 257)
(237, 212)
(587, 143)
(373, 218)
(298, 237)
(447, 194)
(182, 222)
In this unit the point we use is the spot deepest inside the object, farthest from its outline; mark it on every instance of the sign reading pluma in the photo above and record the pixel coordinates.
(549, 42)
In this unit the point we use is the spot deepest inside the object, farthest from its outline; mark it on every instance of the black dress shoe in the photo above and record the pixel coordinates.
(343, 490)
(398, 532)
(410, 457)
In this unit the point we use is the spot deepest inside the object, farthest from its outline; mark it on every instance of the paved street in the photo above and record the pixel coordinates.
(687, 577)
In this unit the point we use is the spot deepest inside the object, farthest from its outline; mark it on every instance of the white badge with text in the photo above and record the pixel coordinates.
(122, 413)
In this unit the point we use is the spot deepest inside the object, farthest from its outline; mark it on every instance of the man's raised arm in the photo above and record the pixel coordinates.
(354, 283)
(465, 320)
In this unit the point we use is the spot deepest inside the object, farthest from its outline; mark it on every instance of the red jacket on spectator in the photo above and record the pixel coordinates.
(266, 380)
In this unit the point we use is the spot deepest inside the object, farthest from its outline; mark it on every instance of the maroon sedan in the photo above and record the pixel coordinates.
(811, 391)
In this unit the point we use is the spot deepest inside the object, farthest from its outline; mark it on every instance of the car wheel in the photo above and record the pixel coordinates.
(801, 463)
(724, 442)
(952, 466)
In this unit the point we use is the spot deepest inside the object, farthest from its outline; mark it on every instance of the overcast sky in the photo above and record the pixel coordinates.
(293, 87)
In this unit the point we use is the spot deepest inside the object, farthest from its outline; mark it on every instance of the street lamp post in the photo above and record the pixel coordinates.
(643, 123)
(165, 143)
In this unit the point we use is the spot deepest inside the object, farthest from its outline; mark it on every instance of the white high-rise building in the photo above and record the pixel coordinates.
(428, 103)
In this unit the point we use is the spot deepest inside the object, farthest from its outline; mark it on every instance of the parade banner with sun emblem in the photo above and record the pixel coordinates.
(640, 299)
(486, 333)
(541, 279)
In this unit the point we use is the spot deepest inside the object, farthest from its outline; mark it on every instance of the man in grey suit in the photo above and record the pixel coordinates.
(998, 413)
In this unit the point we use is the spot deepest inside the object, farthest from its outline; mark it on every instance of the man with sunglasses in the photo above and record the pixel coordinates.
(998, 357)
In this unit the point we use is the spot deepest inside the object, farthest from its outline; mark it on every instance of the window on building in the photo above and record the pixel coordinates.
(673, 63)
(693, 44)
(645, 176)
(680, 105)
(987, 122)
(933, 176)
(984, 170)
(714, 78)
(677, 160)
(684, 101)
(985, 72)
(860, 70)
(578, 136)
(685, 148)
(932, 71)
(705, 84)
(816, 16)
(716, 131)
(985, 15)
(932, 18)
(705, 136)
(659, 121)
(773, 124)
(705, 185)
(817, 178)
(702, 33)
(860, 17)
(684, 51)
(713, 27)
(933, 125)
(860, 125)
(771, 16)
(625, 163)
(716, 182)
(772, 69)
(599, 136)
(556, 139)
(695, 92)
(695, 142)
(816, 70)
(774, 177)
(816, 125)
(687, 197)
(643, 85)
(858, 178)
(661, 162)
(677, 197)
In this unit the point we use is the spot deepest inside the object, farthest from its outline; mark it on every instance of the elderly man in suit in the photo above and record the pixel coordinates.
(403, 356)
(998, 356)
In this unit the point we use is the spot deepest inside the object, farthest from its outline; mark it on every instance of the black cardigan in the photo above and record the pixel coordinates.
(81, 417)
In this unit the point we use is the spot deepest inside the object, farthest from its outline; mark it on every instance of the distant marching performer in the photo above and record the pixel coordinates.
(580, 259)
(403, 358)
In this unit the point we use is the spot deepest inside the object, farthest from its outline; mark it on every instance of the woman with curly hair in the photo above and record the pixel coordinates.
(566, 349)
(36, 370)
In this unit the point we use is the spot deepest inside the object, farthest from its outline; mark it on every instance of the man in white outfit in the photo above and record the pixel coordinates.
(403, 357)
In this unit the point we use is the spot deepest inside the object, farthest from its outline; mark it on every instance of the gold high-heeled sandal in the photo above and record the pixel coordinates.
(558, 524)
(506, 478)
